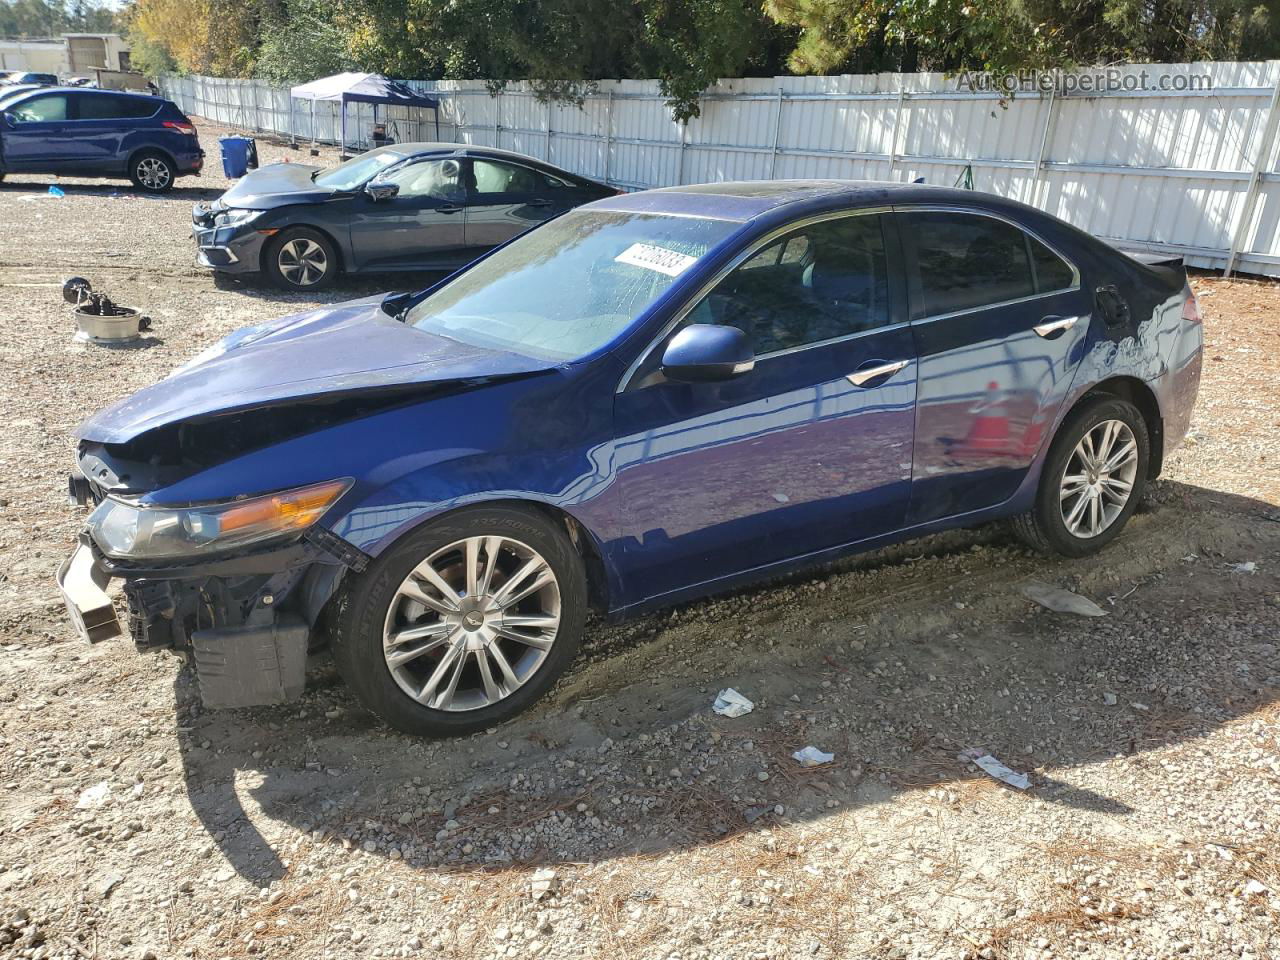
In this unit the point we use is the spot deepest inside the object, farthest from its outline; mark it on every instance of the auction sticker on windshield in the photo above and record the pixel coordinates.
(670, 262)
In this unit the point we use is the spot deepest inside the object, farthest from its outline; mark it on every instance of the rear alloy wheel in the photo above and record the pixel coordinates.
(465, 624)
(1098, 481)
(301, 259)
(1092, 480)
(151, 172)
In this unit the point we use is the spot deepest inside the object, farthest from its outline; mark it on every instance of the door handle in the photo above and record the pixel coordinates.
(539, 203)
(1052, 326)
(449, 209)
(864, 375)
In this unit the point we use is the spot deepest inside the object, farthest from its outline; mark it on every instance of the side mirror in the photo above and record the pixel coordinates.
(393, 304)
(704, 352)
(381, 189)
(10, 121)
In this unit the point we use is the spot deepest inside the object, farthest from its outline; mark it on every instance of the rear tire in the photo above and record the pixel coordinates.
(1093, 479)
(438, 651)
(152, 172)
(300, 259)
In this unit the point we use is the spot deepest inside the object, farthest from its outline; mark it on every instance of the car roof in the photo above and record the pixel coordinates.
(89, 91)
(472, 150)
(745, 200)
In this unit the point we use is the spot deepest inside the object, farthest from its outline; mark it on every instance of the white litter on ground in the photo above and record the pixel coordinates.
(1061, 601)
(994, 768)
(730, 703)
(812, 756)
(1247, 567)
(94, 796)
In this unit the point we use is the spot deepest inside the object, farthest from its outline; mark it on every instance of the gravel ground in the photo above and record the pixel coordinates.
(621, 817)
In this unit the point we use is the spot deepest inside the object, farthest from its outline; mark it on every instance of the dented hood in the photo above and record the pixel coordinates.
(276, 185)
(349, 348)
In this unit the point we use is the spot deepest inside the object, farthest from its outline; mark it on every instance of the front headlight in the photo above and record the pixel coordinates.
(137, 532)
(234, 216)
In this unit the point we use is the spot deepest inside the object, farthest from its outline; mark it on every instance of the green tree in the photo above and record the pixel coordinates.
(564, 46)
(312, 41)
(48, 18)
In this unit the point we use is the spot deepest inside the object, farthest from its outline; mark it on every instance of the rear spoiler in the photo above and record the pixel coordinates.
(1156, 259)
(1170, 267)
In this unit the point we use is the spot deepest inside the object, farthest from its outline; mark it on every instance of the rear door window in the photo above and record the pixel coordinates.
(496, 177)
(967, 261)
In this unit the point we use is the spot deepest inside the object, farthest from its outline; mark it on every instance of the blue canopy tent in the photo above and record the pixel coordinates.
(365, 88)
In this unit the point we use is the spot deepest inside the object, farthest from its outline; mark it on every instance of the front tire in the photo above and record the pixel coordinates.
(300, 259)
(152, 172)
(464, 623)
(1092, 481)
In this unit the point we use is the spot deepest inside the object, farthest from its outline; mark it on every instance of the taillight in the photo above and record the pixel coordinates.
(188, 128)
(1191, 310)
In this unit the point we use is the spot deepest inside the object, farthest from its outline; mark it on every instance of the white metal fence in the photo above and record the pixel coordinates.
(1187, 171)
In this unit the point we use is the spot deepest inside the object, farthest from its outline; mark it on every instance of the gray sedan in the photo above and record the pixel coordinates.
(415, 206)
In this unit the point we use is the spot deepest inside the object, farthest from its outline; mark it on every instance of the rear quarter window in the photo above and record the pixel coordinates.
(106, 107)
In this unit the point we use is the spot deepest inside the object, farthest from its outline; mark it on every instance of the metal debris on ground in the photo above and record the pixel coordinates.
(99, 319)
(812, 757)
(730, 703)
(1061, 601)
(994, 768)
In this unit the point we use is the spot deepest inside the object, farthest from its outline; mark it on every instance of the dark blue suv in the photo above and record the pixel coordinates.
(98, 133)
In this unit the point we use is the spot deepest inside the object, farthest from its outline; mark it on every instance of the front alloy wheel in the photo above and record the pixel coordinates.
(472, 623)
(303, 262)
(464, 622)
(301, 259)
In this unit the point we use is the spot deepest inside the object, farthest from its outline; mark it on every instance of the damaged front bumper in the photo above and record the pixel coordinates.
(247, 620)
(231, 249)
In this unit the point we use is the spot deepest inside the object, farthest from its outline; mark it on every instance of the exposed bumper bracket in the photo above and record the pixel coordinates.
(83, 584)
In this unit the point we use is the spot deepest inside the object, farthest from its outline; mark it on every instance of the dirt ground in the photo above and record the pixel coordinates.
(621, 818)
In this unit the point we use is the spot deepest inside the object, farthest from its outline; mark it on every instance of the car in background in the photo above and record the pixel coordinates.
(649, 399)
(415, 206)
(78, 132)
(24, 77)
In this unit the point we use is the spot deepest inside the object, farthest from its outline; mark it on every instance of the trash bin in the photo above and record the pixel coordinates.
(235, 155)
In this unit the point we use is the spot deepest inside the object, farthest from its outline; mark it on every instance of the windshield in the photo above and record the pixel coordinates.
(349, 175)
(571, 286)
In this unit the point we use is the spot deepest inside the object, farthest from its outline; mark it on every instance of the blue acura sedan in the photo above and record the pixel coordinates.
(646, 400)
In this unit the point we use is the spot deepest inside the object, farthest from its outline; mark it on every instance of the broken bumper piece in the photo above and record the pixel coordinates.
(84, 589)
(246, 621)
